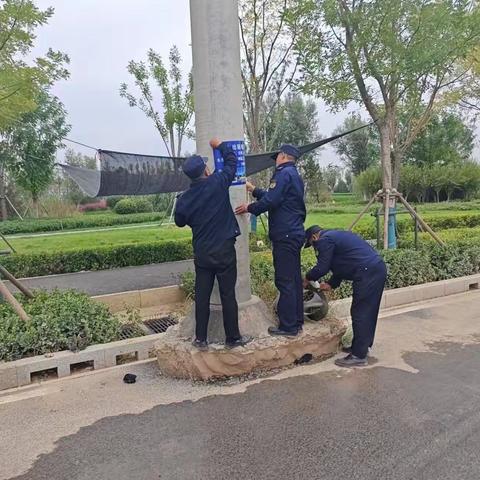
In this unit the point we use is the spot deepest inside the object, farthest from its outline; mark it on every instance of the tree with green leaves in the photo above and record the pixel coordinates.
(446, 139)
(268, 64)
(31, 145)
(394, 57)
(176, 99)
(359, 150)
(21, 79)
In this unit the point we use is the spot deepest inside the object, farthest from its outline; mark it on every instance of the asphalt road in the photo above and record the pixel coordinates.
(116, 280)
(412, 415)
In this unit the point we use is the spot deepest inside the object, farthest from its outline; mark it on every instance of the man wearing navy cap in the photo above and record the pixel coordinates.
(284, 201)
(206, 208)
(349, 257)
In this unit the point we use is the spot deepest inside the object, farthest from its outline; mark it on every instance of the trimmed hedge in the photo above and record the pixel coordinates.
(437, 222)
(12, 227)
(405, 267)
(101, 258)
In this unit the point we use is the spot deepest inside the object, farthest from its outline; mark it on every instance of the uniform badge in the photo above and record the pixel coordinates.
(273, 184)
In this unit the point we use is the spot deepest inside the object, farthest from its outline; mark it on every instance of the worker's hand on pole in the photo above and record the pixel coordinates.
(241, 209)
(215, 142)
(250, 187)
(325, 287)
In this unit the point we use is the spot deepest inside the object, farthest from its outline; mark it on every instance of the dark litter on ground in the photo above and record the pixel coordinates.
(130, 378)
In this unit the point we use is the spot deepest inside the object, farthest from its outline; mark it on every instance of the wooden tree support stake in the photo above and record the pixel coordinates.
(26, 291)
(420, 219)
(5, 292)
(363, 212)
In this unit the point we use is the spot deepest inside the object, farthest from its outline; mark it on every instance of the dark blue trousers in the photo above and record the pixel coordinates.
(288, 280)
(367, 295)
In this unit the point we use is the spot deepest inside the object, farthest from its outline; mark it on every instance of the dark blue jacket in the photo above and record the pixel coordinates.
(206, 208)
(284, 201)
(343, 253)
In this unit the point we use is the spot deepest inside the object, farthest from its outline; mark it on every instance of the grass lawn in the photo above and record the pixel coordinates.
(97, 239)
(339, 215)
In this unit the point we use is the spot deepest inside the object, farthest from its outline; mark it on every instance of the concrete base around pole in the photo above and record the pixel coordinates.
(254, 318)
(179, 359)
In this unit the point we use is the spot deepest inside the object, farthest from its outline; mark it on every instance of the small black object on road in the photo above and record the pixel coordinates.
(130, 378)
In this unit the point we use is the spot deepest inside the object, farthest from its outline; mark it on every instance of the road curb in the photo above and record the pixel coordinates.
(64, 364)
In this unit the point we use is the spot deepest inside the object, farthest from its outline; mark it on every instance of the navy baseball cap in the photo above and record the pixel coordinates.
(309, 232)
(291, 150)
(194, 166)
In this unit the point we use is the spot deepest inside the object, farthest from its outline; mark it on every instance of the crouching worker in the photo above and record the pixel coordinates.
(206, 208)
(349, 257)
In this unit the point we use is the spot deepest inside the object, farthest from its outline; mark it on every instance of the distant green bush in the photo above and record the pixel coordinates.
(101, 258)
(133, 205)
(112, 201)
(60, 320)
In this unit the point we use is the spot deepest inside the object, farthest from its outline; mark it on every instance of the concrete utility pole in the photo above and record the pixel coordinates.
(217, 92)
(217, 88)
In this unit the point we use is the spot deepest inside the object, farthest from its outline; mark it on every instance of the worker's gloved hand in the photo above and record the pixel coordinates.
(325, 287)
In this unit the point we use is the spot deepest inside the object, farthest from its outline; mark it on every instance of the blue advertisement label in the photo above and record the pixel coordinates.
(238, 146)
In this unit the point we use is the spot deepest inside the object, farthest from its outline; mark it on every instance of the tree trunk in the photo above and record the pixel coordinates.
(35, 206)
(385, 156)
(3, 200)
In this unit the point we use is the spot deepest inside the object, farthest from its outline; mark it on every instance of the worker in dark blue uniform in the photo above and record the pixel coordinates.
(206, 208)
(349, 257)
(285, 204)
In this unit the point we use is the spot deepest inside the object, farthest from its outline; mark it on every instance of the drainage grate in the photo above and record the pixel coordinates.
(131, 331)
(160, 325)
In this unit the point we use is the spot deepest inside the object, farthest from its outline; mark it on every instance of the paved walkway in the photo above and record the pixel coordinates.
(413, 414)
(115, 280)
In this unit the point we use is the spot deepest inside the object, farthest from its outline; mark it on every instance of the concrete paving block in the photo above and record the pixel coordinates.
(140, 345)
(471, 282)
(403, 296)
(27, 366)
(119, 301)
(433, 290)
(95, 353)
(160, 296)
(8, 375)
(455, 285)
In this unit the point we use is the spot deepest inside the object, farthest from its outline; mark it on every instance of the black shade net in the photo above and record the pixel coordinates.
(124, 173)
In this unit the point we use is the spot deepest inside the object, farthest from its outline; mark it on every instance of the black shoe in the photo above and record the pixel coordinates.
(349, 350)
(201, 345)
(239, 342)
(351, 361)
(275, 331)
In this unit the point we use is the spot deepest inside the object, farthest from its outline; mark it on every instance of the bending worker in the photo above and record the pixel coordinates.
(206, 208)
(284, 201)
(349, 257)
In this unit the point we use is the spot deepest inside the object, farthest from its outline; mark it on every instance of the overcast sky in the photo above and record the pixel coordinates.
(101, 37)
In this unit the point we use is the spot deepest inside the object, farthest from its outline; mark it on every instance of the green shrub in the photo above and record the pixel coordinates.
(405, 267)
(112, 201)
(133, 205)
(60, 320)
(101, 258)
(12, 227)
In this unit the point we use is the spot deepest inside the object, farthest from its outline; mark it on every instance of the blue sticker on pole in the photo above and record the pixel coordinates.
(238, 146)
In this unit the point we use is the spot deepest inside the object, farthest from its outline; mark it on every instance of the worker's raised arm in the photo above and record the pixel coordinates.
(227, 175)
